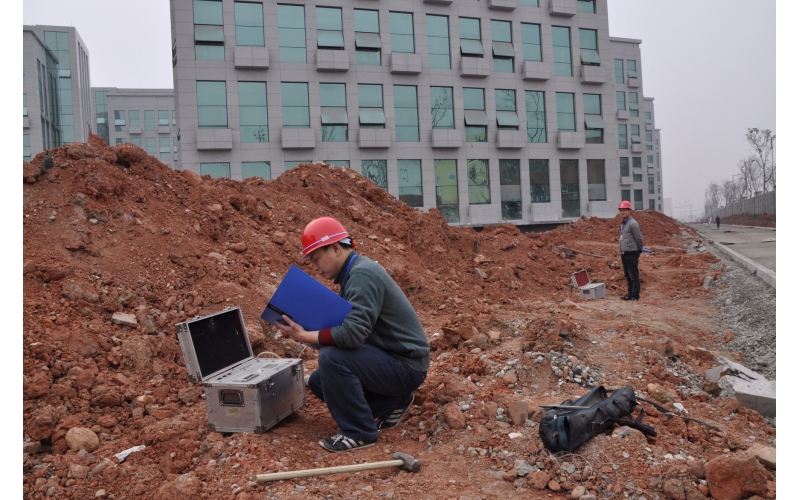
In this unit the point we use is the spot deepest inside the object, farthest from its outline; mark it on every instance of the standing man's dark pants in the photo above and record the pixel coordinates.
(630, 264)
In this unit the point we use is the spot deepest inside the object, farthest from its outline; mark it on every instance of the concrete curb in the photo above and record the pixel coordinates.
(766, 275)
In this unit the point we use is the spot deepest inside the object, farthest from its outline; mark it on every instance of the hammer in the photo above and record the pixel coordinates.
(405, 462)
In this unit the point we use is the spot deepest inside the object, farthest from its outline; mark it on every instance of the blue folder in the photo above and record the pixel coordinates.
(307, 302)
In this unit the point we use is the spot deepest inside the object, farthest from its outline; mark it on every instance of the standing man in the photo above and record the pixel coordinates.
(717, 221)
(371, 364)
(630, 246)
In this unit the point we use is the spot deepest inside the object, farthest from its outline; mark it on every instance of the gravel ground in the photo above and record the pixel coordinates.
(747, 306)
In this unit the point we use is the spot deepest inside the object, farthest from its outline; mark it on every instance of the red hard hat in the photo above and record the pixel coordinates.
(625, 204)
(321, 232)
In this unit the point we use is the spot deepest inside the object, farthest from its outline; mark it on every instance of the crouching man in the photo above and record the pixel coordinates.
(371, 364)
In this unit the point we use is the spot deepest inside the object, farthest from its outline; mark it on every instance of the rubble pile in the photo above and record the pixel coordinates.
(118, 248)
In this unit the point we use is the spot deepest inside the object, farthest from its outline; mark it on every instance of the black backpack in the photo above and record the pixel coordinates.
(564, 429)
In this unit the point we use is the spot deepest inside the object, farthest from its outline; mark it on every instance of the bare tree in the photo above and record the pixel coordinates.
(749, 176)
(761, 142)
(713, 198)
(729, 192)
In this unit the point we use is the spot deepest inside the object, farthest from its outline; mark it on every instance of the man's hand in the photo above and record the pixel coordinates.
(297, 332)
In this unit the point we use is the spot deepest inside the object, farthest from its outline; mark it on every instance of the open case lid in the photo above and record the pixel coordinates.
(219, 341)
(581, 278)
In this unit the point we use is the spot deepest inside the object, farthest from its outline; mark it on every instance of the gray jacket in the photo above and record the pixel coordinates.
(630, 238)
(381, 316)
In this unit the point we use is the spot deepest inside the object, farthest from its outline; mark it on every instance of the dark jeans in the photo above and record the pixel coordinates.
(360, 385)
(630, 264)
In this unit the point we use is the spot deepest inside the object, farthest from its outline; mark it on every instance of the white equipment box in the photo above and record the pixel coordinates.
(587, 290)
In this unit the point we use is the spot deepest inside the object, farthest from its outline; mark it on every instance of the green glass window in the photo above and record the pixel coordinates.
(173, 119)
(409, 181)
(562, 51)
(637, 169)
(469, 32)
(249, 19)
(438, 28)
(625, 195)
(442, 107)
(292, 33)
(220, 170)
(294, 99)
(175, 145)
(24, 104)
(633, 104)
(253, 124)
(137, 141)
(620, 101)
(540, 180)
(333, 108)
(368, 38)
(209, 34)
(163, 118)
(635, 137)
(133, 118)
(529, 3)
(119, 121)
(212, 105)
(650, 161)
(475, 115)
(531, 42)
(619, 71)
(648, 118)
(119, 140)
(622, 131)
(652, 204)
(632, 73)
(478, 182)
(164, 151)
(256, 169)
(329, 28)
(406, 113)
(506, 109)
(370, 106)
(649, 141)
(535, 115)
(596, 178)
(447, 189)
(502, 49)
(401, 27)
(570, 189)
(637, 200)
(510, 190)
(586, 6)
(149, 120)
(624, 169)
(565, 108)
(26, 147)
(375, 170)
(589, 54)
(593, 119)
(150, 145)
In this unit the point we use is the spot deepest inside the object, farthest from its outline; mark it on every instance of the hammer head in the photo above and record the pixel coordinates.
(410, 463)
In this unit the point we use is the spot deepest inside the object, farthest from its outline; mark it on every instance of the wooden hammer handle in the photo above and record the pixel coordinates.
(278, 476)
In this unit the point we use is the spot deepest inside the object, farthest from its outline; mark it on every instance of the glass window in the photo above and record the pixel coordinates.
(622, 131)
(375, 170)
(253, 124)
(406, 113)
(175, 145)
(475, 115)
(249, 19)
(442, 107)
(626, 195)
(333, 107)
(25, 105)
(540, 180)
(149, 120)
(637, 200)
(652, 204)
(535, 114)
(216, 170)
(329, 28)
(570, 189)
(119, 140)
(478, 182)
(173, 119)
(438, 28)
(596, 177)
(447, 189)
(256, 169)
(26, 147)
(632, 69)
(506, 105)
(649, 141)
(370, 106)
(294, 99)
(624, 168)
(650, 161)
(586, 6)
(163, 118)
(163, 148)
(637, 169)
(529, 3)
(565, 107)
(648, 118)
(137, 141)
(635, 137)
(619, 71)
(593, 119)
(502, 49)
(119, 121)
(150, 145)
(562, 51)
(620, 101)
(409, 180)
(510, 190)
(633, 104)
(212, 105)
(469, 31)
(589, 54)
(531, 42)
(292, 33)
(401, 27)
(368, 38)
(133, 118)
(209, 34)
(658, 161)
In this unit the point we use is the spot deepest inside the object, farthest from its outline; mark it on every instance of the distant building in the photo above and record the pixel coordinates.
(56, 89)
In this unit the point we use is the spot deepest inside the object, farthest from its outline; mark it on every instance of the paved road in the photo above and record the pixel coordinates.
(755, 243)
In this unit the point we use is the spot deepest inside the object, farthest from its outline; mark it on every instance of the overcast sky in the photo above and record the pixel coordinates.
(710, 65)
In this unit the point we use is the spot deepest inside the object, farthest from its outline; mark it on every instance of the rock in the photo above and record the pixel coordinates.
(699, 352)
(673, 489)
(696, 468)
(517, 411)
(106, 395)
(121, 379)
(522, 467)
(758, 393)
(510, 475)
(239, 247)
(764, 454)
(588, 497)
(279, 237)
(186, 486)
(708, 281)
(454, 417)
(31, 447)
(81, 438)
(42, 423)
(146, 321)
(510, 377)
(84, 380)
(490, 410)
(124, 319)
(136, 355)
(538, 480)
(76, 471)
(38, 385)
(577, 492)
(735, 478)
(481, 273)
(554, 486)
(494, 335)
(82, 344)
(728, 337)
(73, 290)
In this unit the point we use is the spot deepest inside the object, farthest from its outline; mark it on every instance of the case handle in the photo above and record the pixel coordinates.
(231, 397)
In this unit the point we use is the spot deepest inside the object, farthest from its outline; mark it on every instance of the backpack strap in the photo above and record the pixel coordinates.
(685, 419)
(637, 424)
